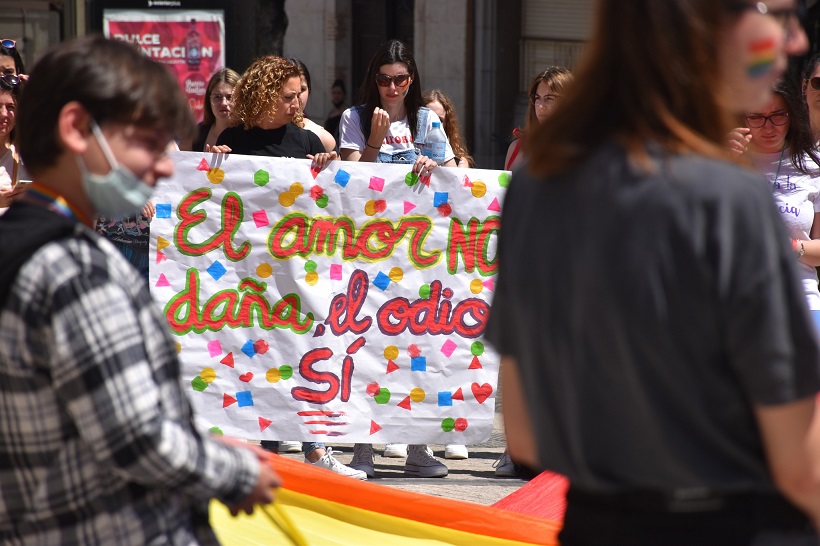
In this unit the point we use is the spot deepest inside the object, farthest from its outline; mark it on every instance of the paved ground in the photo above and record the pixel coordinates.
(471, 480)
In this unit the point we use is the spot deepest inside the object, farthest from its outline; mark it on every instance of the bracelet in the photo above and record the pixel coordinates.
(802, 249)
(369, 146)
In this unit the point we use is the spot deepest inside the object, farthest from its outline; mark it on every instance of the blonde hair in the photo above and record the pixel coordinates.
(450, 125)
(258, 92)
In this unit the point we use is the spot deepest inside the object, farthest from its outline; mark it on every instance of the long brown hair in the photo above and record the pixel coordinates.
(650, 74)
(450, 125)
(224, 75)
(557, 78)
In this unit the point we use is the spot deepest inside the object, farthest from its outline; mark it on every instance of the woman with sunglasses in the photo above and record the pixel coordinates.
(216, 113)
(811, 93)
(391, 124)
(666, 361)
(782, 148)
(10, 60)
(13, 174)
(544, 90)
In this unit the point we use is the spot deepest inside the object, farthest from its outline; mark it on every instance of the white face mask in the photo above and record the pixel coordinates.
(117, 193)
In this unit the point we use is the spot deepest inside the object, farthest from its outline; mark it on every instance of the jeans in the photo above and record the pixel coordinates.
(307, 447)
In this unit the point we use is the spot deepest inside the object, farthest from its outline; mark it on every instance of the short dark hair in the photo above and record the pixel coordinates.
(112, 80)
(390, 52)
(340, 84)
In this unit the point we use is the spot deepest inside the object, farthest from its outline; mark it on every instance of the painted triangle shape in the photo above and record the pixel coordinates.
(162, 280)
(392, 366)
(489, 284)
(494, 206)
(161, 257)
(458, 395)
(264, 423)
(228, 360)
(405, 403)
(162, 243)
(466, 182)
(475, 364)
(228, 400)
(374, 427)
(203, 166)
(408, 206)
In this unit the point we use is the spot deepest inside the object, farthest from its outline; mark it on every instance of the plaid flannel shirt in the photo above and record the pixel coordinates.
(97, 444)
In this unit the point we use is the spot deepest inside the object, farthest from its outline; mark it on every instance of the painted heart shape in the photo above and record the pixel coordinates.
(246, 377)
(481, 392)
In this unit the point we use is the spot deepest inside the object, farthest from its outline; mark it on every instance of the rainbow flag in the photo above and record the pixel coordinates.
(317, 507)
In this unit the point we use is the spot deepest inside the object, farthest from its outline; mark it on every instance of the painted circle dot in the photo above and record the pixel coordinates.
(216, 431)
(447, 425)
(479, 189)
(383, 397)
(445, 210)
(286, 199)
(504, 179)
(396, 274)
(477, 348)
(296, 188)
(411, 179)
(370, 208)
(273, 375)
(312, 278)
(286, 372)
(461, 424)
(413, 351)
(373, 389)
(310, 266)
(179, 347)
(476, 286)
(417, 395)
(424, 291)
(322, 201)
(216, 176)
(208, 375)
(391, 352)
(264, 270)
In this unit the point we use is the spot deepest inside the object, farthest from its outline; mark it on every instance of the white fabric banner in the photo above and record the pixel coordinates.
(343, 305)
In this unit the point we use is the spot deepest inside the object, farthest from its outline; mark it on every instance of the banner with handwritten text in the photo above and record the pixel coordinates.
(345, 304)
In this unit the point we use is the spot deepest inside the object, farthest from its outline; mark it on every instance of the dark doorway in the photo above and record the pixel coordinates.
(375, 21)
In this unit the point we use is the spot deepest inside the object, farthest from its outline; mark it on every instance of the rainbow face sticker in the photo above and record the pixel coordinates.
(761, 57)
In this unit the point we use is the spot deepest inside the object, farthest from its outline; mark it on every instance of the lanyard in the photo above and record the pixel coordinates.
(47, 198)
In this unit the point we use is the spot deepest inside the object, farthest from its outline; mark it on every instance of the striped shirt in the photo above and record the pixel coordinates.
(97, 443)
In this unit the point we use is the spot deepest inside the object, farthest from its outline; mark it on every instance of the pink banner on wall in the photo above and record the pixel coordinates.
(190, 42)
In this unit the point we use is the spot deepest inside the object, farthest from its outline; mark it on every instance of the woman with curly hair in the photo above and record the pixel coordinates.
(438, 102)
(544, 91)
(216, 114)
(267, 116)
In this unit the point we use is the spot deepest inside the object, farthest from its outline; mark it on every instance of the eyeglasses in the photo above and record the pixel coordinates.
(216, 98)
(545, 101)
(10, 82)
(8, 44)
(789, 18)
(383, 80)
(778, 119)
(815, 83)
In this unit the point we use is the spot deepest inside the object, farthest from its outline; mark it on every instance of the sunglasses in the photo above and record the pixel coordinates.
(10, 82)
(815, 83)
(383, 80)
(8, 44)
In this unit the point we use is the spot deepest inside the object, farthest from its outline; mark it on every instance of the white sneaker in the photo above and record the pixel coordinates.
(395, 451)
(363, 459)
(420, 463)
(328, 462)
(455, 451)
(505, 467)
(289, 447)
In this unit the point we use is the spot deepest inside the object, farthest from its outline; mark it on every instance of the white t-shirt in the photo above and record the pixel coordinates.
(398, 139)
(796, 196)
(7, 172)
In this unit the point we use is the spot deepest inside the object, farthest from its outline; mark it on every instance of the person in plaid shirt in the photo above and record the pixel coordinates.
(97, 442)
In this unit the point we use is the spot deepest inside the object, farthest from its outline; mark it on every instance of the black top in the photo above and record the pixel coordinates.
(286, 141)
(198, 144)
(648, 313)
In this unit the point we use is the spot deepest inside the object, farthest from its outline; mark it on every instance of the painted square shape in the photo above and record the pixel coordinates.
(382, 281)
(244, 399)
(249, 349)
(217, 270)
(418, 364)
(163, 210)
(336, 272)
(214, 348)
(260, 218)
(376, 183)
(445, 399)
(440, 198)
(448, 348)
(342, 177)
